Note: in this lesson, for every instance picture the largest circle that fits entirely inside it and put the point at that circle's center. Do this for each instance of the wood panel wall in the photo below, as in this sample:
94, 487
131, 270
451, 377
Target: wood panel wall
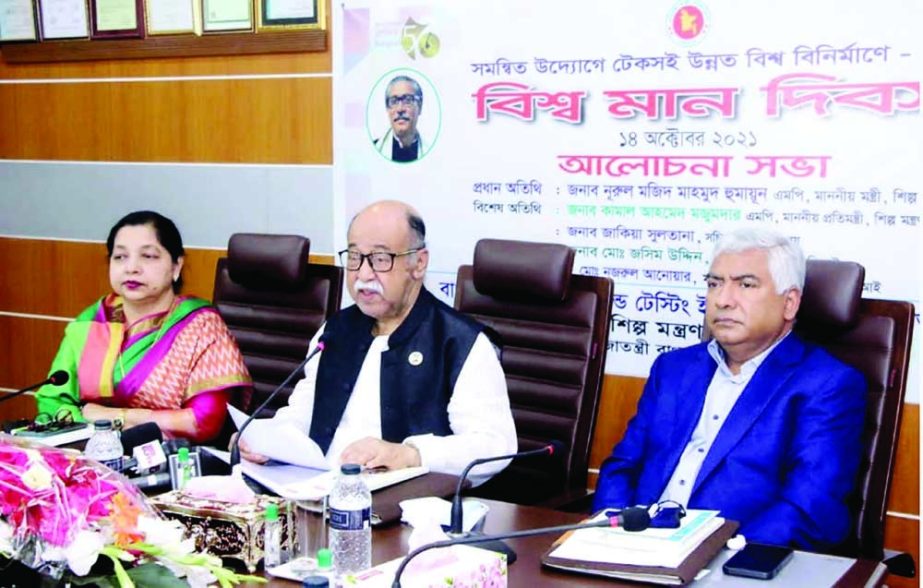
241, 109
231, 109
284, 120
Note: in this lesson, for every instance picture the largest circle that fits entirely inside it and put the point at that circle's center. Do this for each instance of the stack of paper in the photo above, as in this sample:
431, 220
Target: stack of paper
653, 547
299, 483
669, 556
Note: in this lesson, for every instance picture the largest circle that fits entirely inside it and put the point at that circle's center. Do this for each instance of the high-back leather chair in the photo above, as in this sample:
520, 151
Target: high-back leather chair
874, 337
553, 328
274, 300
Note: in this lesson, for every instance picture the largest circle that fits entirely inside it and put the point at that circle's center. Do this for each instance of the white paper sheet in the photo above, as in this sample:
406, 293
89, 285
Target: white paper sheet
280, 441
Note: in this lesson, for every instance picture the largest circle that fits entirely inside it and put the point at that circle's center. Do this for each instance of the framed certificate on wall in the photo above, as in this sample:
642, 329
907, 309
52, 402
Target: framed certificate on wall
290, 14
116, 19
63, 19
220, 16
173, 17
17, 21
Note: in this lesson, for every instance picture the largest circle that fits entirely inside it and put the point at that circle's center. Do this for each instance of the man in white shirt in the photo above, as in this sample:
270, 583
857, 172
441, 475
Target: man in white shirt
403, 380
755, 423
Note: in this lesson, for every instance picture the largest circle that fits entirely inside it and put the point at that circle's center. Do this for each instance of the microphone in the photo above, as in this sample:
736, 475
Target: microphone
58, 378
635, 518
235, 447
456, 520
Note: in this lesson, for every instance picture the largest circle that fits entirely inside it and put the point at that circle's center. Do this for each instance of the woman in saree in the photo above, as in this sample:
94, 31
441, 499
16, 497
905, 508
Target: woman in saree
144, 353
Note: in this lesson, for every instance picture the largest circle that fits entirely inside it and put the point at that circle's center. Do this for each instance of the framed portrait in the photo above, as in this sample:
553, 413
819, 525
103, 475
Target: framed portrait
403, 115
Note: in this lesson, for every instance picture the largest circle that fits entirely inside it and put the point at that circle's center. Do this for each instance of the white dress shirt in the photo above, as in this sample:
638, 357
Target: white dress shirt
723, 391
479, 412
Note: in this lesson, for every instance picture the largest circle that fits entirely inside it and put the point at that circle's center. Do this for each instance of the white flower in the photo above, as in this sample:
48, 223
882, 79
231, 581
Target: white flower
196, 576
6, 538
161, 532
83, 551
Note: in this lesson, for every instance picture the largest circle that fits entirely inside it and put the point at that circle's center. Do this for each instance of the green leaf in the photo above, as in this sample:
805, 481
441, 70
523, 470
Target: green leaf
94, 580
151, 575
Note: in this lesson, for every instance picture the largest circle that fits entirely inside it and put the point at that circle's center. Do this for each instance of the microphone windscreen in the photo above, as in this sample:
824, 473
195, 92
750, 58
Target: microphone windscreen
59, 378
635, 518
139, 435
556, 448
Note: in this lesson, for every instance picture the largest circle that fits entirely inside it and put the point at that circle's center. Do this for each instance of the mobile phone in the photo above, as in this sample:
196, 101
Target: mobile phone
757, 560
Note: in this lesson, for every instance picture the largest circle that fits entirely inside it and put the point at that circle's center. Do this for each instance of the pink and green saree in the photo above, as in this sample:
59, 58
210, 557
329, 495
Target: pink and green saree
183, 358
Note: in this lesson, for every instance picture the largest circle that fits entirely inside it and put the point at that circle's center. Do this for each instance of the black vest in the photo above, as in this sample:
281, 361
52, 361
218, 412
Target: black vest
414, 398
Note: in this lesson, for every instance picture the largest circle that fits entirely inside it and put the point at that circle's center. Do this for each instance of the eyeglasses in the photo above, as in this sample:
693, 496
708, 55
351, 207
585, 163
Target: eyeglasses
46, 423
379, 261
403, 99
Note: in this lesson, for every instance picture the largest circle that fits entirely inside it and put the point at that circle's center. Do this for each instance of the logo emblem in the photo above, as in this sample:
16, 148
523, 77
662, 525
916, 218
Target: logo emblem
689, 21
415, 38
415, 358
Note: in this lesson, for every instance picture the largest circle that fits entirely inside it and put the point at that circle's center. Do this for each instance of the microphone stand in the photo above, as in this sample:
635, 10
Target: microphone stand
490, 539
235, 447
58, 378
456, 520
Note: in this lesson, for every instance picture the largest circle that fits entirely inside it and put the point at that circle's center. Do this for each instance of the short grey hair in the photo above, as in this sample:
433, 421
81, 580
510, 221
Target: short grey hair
417, 90
417, 231
786, 260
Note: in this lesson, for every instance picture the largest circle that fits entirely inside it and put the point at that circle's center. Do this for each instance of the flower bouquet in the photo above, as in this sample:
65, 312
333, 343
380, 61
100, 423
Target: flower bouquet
59, 512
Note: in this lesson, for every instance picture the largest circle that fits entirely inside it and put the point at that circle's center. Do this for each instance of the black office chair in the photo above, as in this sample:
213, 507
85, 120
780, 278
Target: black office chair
553, 328
274, 300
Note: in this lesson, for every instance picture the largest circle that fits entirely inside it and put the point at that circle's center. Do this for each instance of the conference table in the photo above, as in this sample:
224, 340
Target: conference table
805, 569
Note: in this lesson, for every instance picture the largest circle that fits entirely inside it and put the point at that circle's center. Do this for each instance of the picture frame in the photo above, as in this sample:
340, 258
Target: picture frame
18, 21
116, 19
274, 15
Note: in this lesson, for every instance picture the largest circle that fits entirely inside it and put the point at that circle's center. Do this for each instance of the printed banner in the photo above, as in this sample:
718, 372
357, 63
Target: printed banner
638, 133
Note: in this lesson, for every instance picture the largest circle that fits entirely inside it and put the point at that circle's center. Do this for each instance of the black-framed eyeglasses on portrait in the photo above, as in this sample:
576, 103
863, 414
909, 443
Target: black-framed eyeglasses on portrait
403, 99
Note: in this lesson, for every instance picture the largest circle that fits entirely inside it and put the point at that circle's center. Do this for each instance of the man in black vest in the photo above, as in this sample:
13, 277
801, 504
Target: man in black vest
403, 380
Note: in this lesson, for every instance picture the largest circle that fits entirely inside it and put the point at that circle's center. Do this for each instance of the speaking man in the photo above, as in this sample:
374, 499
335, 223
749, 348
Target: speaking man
755, 423
403, 380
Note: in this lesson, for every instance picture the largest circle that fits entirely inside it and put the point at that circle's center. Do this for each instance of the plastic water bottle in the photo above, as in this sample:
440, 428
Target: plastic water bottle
272, 537
105, 446
350, 522
325, 565
184, 473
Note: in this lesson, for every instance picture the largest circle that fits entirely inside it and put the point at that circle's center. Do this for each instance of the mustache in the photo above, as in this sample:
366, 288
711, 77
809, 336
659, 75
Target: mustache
403, 117
373, 285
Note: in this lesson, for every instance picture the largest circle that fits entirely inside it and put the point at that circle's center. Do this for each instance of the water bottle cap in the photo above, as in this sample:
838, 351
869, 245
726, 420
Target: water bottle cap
350, 469
183, 454
315, 582
272, 512
324, 559
102, 425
